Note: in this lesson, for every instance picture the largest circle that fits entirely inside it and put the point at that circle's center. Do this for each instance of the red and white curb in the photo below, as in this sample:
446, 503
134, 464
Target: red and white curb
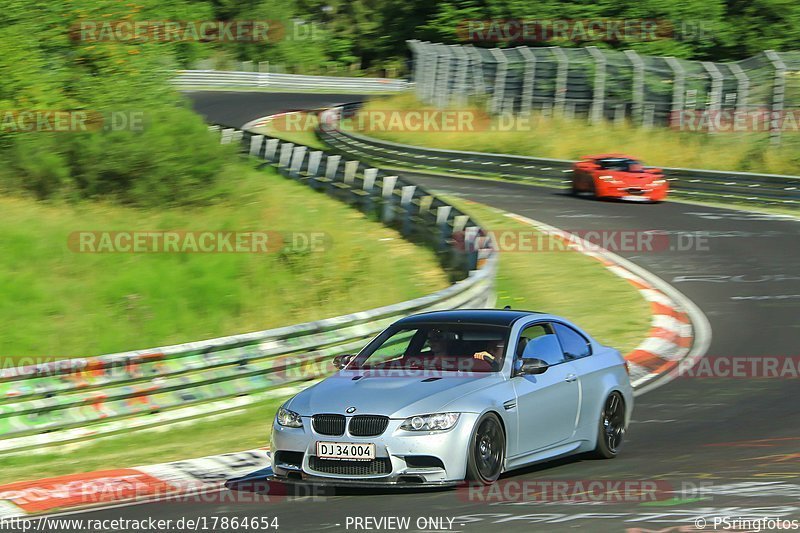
679, 331
176, 481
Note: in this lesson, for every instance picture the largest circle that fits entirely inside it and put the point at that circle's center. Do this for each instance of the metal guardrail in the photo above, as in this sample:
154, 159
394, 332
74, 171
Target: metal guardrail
189, 79
717, 185
85, 393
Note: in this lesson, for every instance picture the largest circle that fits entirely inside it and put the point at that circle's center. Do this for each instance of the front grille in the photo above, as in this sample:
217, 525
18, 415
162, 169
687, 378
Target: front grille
423, 461
350, 468
368, 425
328, 424
289, 458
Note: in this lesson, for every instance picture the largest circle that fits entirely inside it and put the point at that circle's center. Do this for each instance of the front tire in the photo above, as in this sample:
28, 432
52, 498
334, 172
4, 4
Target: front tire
611, 428
487, 450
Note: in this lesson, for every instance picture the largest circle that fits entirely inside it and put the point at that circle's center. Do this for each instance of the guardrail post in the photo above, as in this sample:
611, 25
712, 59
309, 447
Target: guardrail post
442, 214
678, 91
560, 97
255, 144
387, 192
479, 84
270, 149
778, 93
286, 154
332, 166
227, 136
331, 169
638, 85
459, 223
368, 186
742, 88
599, 90
471, 246
298, 155
430, 60
526, 103
406, 205
715, 96
314, 159
313, 171
443, 74
414, 45
421, 79
462, 66
459, 255
501, 68
350, 168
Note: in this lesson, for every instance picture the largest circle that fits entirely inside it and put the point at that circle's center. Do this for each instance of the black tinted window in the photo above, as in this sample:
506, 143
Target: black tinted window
573, 343
540, 342
626, 165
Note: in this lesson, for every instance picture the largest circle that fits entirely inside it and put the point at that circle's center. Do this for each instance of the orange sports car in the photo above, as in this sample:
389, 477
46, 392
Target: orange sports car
618, 176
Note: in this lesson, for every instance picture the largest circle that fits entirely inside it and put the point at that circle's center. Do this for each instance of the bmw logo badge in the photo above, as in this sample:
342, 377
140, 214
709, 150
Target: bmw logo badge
350, 410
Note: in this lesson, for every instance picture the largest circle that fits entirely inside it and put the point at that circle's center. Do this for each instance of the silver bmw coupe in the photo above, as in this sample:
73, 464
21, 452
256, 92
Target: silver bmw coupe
447, 396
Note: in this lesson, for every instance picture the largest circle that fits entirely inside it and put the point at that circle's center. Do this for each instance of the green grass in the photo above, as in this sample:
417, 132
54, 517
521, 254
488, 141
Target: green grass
234, 431
57, 303
565, 138
299, 130
565, 283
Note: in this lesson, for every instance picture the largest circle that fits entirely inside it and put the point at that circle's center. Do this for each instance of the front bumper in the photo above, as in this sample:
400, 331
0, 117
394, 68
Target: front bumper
633, 193
313, 481
398, 450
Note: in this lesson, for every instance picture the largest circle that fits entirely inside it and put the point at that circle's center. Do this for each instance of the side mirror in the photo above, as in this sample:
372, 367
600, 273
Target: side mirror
531, 365
341, 361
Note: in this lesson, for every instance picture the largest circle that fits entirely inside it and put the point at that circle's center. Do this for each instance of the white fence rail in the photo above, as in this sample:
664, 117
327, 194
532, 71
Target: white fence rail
193, 79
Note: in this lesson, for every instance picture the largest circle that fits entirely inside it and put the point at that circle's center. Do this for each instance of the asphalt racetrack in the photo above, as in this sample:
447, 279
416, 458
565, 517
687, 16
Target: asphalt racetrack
719, 446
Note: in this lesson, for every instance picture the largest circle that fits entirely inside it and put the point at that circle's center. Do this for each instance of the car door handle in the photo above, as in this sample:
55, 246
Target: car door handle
570, 378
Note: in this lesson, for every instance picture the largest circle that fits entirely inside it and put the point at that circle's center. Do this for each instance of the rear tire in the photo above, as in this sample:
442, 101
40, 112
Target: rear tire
487, 450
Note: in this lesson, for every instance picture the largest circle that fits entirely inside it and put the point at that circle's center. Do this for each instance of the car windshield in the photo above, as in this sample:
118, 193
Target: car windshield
437, 347
622, 164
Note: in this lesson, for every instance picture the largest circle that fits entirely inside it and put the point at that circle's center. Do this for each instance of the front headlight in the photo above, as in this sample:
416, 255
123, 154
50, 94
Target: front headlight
288, 418
434, 422
659, 182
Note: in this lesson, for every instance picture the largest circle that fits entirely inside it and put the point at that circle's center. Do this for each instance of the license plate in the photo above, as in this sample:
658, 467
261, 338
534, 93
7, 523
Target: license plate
346, 450
635, 198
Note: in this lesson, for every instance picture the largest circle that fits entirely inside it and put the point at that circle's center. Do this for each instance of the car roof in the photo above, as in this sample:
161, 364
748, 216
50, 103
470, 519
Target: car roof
608, 156
494, 317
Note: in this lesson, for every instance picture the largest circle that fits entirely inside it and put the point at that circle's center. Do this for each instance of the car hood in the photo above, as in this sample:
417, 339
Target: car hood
395, 396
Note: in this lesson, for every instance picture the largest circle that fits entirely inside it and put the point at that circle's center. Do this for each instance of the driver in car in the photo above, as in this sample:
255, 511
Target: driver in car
492, 354
439, 346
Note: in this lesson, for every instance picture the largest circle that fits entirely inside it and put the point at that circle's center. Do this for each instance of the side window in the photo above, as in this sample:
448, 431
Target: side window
573, 343
539, 341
